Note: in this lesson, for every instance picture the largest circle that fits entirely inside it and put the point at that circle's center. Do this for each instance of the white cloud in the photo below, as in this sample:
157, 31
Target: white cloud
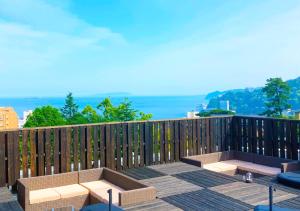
35, 34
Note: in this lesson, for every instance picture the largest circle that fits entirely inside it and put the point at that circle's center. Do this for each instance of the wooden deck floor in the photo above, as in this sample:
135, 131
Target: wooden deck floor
185, 187
8, 201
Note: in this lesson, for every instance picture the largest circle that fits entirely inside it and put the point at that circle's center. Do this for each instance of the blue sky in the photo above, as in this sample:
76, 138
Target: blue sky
157, 47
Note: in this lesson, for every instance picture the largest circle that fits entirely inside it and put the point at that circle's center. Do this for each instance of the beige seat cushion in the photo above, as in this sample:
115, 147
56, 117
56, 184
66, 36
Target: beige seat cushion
253, 167
68, 191
98, 189
220, 167
102, 195
43, 195
96, 184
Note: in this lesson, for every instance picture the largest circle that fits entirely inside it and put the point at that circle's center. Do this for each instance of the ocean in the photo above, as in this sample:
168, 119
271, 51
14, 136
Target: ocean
162, 107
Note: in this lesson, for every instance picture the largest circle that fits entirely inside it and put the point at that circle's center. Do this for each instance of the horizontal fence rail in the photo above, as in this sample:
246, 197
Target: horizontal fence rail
52, 150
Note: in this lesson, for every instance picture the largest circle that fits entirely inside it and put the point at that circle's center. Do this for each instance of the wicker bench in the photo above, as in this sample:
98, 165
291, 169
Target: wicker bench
78, 189
232, 162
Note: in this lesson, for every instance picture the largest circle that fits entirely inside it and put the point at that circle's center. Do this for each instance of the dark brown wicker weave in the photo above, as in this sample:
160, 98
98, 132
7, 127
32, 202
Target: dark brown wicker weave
135, 192
290, 166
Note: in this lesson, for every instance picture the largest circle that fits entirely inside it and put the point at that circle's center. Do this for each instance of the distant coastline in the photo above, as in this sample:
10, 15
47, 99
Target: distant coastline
160, 106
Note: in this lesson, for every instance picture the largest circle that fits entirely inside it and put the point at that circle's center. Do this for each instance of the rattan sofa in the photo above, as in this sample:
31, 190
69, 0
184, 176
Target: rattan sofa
232, 162
37, 193
78, 189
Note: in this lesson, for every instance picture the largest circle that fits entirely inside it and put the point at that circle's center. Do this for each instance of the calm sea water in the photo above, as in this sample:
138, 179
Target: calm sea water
162, 107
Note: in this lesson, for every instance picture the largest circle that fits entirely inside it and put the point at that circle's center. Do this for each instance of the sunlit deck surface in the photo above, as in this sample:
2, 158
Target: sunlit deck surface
185, 187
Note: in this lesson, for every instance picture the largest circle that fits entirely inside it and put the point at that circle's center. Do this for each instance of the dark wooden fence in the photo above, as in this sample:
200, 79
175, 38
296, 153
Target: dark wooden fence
44, 151
267, 136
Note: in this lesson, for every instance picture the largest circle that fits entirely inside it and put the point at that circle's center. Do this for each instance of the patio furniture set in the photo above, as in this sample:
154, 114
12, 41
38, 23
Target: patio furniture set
81, 188
235, 162
86, 189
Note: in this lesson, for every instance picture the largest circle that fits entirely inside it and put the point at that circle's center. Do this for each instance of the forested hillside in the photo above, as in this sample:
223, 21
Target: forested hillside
251, 101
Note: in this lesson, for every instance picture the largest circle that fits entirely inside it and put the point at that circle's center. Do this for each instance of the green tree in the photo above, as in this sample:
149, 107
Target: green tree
277, 93
45, 116
91, 115
70, 109
215, 112
123, 112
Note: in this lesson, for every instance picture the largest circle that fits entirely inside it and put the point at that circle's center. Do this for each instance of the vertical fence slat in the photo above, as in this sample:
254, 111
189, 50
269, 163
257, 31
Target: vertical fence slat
161, 142
166, 142
82, 147
294, 141
172, 140
125, 145
75, 147
288, 140
68, 149
40, 147
156, 145
190, 137
48, 151
16, 152
207, 135
2, 160
89, 147
176, 140
182, 139
151, 141
129, 134
63, 146
195, 149
95, 146
147, 143
118, 147
24, 153
112, 146
102, 146
10, 158
33, 153
198, 136
108, 146
268, 139
282, 136
142, 143
135, 144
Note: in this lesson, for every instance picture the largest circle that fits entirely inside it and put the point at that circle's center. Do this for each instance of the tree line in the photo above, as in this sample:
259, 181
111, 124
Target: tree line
70, 114
276, 95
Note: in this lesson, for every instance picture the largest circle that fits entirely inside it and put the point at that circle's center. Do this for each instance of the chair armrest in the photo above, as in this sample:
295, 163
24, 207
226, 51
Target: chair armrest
121, 180
193, 162
290, 166
23, 194
137, 196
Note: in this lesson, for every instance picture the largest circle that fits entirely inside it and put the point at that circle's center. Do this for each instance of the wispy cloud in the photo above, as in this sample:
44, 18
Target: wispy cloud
34, 34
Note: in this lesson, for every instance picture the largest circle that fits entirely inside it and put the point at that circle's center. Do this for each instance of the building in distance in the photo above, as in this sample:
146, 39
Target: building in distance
8, 118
